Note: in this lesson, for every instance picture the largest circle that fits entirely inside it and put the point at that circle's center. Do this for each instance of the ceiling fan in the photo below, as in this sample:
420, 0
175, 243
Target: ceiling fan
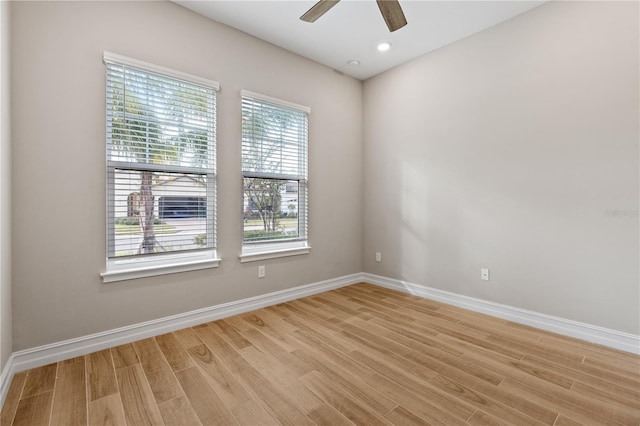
390, 9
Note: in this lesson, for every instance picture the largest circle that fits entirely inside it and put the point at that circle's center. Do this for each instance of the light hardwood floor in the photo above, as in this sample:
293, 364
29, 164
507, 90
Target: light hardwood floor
357, 355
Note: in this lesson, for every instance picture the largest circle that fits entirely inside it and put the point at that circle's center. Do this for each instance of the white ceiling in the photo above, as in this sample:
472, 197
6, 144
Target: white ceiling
353, 28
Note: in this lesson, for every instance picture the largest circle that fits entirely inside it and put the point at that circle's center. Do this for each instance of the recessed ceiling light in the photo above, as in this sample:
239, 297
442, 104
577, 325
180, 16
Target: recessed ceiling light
383, 47
353, 63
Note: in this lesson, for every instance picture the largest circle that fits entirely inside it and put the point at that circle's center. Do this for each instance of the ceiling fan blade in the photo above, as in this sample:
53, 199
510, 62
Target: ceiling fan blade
392, 14
318, 10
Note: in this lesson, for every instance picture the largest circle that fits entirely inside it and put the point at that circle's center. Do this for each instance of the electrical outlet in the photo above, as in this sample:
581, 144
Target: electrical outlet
378, 257
261, 271
484, 274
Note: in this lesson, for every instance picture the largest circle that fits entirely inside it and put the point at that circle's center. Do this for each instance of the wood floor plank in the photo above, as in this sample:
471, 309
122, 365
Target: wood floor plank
224, 383
360, 296
161, 379
379, 335
343, 401
487, 390
40, 380
588, 348
416, 379
490, 405
400, 416
381, 329
221, 348
267, 318
455, 367
303, 398
566, 421
300, 311
493, 330
280, 405
578, 374
269, 366
403, 321
417, 404
279, 310
339, 308
268, 346
34, 410
367, 346
582, 410
420, 336
139, 404
525, 371
174, 352
480, 418
544, 351
327, 415
124, 356
313, 342
226, 330
106, 411
467, 317
178, 411
280, 331
101, 375
360, 354
252, 413
525, 330
605, 374
13, 398
417, 315
367, 395
322, 332
474, 337
208, 406
187, 337
619, 367
607, 397
238, 322
263, 338
70, 398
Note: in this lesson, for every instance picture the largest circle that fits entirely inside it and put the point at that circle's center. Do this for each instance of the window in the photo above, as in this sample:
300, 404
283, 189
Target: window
161, 176
274, 171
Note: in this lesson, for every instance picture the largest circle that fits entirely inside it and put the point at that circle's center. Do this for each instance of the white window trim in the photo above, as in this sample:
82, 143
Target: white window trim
255, 252
121, 269
151, 266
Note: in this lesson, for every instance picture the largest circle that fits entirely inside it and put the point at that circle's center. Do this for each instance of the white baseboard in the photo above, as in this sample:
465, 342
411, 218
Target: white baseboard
590, 333
54, 352
5, 379
43, 355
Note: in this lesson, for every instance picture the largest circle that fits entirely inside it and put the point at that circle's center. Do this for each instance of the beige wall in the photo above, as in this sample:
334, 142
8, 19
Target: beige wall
59, 165
5, 190
506, 150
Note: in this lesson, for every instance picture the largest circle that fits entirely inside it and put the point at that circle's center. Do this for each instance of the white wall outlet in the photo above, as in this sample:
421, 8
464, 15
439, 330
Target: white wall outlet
378, 257
484, 274
261, 271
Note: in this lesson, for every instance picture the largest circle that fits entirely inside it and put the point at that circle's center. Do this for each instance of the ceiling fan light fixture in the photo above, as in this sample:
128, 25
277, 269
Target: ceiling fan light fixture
390, 9
383, 47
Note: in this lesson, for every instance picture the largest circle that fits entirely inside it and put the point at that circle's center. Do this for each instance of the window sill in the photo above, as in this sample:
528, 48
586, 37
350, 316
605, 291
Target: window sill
264, 252
121, 270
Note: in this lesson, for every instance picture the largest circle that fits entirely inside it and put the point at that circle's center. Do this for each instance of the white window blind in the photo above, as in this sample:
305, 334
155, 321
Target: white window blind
274, 167
161, 176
